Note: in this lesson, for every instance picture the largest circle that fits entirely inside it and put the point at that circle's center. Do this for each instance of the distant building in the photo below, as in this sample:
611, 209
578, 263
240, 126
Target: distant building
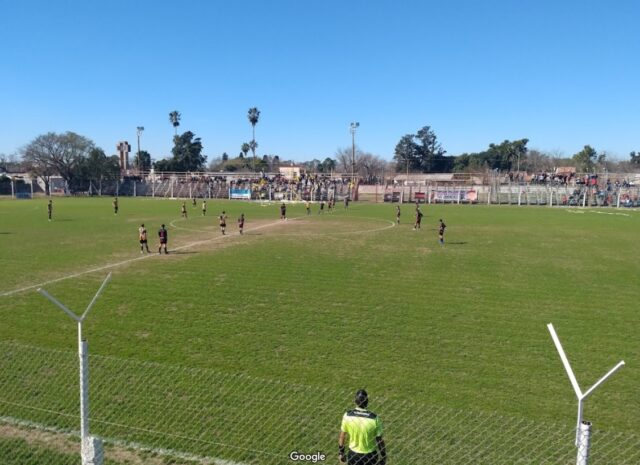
291, 172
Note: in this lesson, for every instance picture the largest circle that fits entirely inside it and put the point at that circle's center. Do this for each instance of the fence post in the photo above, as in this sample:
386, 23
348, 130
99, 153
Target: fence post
90, 448
584, 443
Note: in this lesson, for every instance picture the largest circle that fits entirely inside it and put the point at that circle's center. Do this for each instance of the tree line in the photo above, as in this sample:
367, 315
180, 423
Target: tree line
79, 161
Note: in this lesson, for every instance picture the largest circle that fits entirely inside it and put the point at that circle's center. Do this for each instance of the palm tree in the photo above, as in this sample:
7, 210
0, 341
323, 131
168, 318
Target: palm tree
253, 115
174, 118
244, 148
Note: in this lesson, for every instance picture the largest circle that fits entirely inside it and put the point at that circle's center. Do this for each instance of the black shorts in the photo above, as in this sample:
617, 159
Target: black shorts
362, 459
143, 241
163, 241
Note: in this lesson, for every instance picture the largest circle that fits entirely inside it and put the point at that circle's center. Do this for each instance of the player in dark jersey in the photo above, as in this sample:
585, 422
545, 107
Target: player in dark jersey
397, 214
346, 202
142, 236
193, 201
283, 211
321, 207
241, 223
183, 210
163, 235
222, 218
418, 219
441, 229
50, 209
115, 206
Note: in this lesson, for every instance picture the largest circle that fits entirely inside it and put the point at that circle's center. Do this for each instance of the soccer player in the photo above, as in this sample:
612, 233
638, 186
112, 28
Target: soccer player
204, 208
241, 223
329, 205
364, 430
142, 235
115, 206
163, 235
50, 209
308, 207
223, 222
193, 201
346, 203
397, 214
283, 211
321, 207
418, 219
183, 210
441, 229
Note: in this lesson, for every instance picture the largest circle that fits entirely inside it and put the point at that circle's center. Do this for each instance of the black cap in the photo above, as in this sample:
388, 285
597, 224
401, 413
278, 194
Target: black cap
362, 398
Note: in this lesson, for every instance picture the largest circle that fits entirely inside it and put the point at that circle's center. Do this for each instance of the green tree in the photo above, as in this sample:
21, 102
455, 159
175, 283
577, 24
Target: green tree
174, 119
507, 155
187, 153
430, 151
407, 154
143, 162
253, 115
95, 168
586, 158
420, 152
328, 165
61, 154
244, 149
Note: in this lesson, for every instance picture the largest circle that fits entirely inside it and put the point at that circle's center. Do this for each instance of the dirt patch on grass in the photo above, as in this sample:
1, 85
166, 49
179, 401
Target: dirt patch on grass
69, 445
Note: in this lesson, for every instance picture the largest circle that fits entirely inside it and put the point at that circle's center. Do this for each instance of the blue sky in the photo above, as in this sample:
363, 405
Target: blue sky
562, 73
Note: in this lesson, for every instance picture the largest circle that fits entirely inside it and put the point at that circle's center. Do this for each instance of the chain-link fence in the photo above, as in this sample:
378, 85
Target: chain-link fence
156, 413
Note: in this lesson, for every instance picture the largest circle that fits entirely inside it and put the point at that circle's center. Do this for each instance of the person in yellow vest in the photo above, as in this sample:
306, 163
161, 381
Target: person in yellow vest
364, 431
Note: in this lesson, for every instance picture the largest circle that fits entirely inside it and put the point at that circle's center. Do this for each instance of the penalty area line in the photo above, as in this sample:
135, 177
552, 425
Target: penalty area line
130, 260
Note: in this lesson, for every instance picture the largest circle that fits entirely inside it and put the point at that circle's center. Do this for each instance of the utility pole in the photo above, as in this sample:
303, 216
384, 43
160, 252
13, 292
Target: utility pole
354, 127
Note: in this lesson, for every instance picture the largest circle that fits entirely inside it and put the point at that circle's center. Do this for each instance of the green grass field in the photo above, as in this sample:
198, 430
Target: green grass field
347, 299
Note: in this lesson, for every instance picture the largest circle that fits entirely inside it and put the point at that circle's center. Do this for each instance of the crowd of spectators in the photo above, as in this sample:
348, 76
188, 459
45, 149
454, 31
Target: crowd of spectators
302, 187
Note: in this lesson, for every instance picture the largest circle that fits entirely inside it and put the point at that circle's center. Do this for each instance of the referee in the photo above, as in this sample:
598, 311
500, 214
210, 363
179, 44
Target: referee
364, 428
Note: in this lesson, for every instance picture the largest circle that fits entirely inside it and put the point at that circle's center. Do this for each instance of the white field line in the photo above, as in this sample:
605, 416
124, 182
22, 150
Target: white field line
127, 444
185, 246
130, 260
598, 212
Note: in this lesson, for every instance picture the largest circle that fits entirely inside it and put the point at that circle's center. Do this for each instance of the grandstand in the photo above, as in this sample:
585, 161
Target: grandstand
564, 187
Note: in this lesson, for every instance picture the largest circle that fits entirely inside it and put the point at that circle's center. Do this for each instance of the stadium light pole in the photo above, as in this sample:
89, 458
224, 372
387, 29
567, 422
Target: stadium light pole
583, 428
90, 448
354, 127
139, 131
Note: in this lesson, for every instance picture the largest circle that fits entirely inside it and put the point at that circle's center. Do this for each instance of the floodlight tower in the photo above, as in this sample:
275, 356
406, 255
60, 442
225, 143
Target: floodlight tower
139, 131
90, 448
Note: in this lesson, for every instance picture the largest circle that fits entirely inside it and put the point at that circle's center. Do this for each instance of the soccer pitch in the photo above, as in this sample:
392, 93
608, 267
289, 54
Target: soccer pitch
346, 299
